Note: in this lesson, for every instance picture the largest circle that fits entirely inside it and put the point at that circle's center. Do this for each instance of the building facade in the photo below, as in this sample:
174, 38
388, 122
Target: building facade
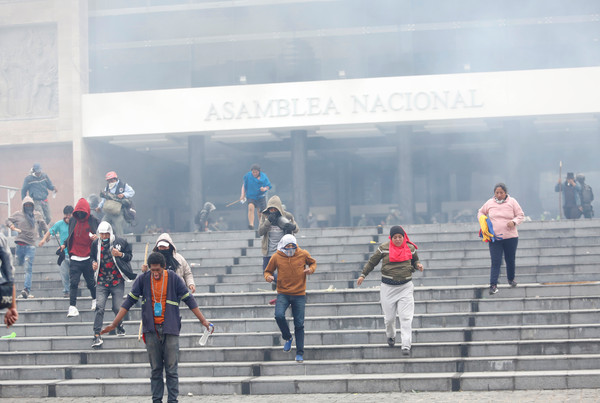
353, 108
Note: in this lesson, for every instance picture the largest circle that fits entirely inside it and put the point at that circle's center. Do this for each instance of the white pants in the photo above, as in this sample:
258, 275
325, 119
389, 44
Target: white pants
398, 299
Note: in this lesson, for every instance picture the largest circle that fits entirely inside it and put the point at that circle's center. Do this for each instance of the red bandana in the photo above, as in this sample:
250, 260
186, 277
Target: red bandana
401, 253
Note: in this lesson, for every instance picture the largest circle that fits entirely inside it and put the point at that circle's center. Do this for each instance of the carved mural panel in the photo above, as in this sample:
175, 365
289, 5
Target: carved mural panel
28, 72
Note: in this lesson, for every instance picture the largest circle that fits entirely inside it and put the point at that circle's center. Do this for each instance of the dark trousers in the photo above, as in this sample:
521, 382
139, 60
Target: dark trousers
76, 269
508, 248
572, 212
163, 353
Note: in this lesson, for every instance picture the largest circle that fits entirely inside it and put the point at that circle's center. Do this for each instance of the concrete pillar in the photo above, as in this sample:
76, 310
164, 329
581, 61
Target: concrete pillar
196, 157
404, 189
343, 189
299, 176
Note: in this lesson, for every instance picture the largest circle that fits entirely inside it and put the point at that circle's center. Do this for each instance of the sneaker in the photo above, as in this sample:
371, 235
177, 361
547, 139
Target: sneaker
273, 301
288, 345
251, 227
513, 284
93, 308
73, 311
25, 293
97, 341
120, 330
406, 351
299, 358
493, 289
391, 341
65, 295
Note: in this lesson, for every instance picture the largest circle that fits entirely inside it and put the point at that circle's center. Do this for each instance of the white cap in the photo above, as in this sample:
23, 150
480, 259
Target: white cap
163, 243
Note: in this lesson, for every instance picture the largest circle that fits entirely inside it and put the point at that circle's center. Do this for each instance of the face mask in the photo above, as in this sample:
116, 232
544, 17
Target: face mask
289, 252
112, 185
28, 210
105, 240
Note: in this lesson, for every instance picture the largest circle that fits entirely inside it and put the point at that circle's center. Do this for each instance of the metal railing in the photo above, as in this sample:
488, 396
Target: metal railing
10, 193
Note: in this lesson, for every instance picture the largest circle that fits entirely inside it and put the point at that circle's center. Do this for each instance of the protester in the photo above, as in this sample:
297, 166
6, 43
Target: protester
8, 290
254, 189
61, 228
203, 219
160, 292
37, 184
173, 260
586, 195
275, 222
24, 222
111, 257
116, 202
399, 260
571, 191
504, 213
290, 263
82, 232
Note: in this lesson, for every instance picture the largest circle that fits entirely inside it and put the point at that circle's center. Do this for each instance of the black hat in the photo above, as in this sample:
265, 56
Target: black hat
396, 229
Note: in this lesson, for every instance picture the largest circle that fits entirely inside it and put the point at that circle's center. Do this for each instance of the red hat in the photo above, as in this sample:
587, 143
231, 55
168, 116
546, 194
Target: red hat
111, 175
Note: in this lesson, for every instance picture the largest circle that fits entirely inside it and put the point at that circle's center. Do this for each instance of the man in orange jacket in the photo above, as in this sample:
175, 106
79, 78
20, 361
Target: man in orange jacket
291, 264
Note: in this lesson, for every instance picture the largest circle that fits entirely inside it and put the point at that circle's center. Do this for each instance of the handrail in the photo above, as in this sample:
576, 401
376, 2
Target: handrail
10, 193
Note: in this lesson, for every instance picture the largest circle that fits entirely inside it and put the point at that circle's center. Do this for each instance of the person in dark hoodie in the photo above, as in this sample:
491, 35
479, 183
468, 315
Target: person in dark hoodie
24, 222
82, 232
111, 257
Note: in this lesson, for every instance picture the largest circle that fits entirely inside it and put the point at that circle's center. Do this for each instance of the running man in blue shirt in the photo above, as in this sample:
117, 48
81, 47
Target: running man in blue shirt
255, 187
62, 229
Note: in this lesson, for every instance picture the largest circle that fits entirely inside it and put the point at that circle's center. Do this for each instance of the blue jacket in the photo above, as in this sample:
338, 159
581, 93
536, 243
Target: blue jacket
37, 187
176, 291
252, 185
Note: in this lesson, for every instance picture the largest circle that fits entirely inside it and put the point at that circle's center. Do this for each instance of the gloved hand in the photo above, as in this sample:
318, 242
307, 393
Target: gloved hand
273, 217
288, 228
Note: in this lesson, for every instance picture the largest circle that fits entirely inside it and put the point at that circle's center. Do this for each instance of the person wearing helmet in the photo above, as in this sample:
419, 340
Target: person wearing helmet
586, 196
115, 197
37, 184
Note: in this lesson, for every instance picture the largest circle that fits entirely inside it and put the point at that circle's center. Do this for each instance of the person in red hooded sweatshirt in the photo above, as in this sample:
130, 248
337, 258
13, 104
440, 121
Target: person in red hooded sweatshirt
399, 261
82, 232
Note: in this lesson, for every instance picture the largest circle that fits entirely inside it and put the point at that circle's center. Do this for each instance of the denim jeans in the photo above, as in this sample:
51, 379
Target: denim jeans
76, 269
298, 303
25, 256
102, 294
64, 274
163, 352
508, 247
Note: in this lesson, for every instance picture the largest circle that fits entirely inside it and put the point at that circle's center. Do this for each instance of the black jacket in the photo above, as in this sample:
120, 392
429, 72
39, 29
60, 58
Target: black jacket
123, 263
82, 205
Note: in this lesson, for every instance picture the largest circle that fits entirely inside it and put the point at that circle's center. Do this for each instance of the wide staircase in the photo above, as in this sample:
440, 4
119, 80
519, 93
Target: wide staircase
543, 334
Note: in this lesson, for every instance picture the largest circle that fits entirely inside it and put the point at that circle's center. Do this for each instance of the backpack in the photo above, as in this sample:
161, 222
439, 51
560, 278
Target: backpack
587, 196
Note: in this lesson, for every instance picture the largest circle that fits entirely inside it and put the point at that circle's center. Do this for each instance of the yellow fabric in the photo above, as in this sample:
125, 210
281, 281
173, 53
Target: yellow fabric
486, 235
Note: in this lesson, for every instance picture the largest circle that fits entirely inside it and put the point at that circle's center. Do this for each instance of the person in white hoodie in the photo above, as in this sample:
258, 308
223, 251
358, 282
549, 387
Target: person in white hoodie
175, 262
111, 257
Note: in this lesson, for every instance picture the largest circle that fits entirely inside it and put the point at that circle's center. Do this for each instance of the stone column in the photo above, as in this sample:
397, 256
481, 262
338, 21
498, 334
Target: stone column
300, 210
404, 189
343, 189
196, 157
